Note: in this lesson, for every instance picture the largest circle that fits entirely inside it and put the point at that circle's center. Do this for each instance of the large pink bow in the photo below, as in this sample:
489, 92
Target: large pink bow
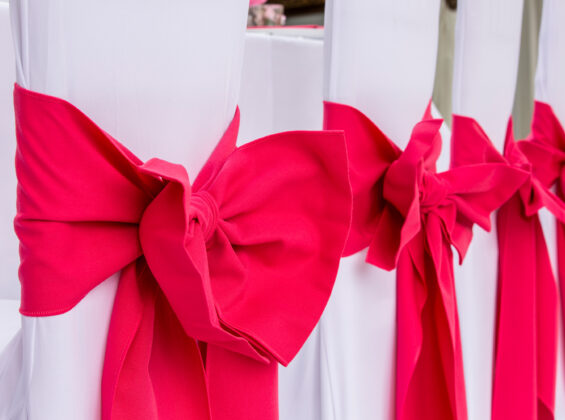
218, 280
409, 216
526, 346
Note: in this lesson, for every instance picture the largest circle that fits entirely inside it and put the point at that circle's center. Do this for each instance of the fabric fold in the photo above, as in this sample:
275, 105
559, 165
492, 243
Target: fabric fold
409, 216
227, 275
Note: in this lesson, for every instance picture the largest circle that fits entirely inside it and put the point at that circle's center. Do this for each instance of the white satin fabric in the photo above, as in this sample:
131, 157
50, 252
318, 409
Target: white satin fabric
281, 85
162, 80
9, 286
380, 58
485, 32
550, 88
9, 260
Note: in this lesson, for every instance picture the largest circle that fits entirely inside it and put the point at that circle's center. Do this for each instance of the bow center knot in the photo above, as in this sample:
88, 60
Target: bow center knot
204, 209
432, 191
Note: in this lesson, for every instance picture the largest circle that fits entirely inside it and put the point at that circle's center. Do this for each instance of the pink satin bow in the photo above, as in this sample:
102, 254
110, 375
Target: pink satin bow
218, 280
526, 340
409, 216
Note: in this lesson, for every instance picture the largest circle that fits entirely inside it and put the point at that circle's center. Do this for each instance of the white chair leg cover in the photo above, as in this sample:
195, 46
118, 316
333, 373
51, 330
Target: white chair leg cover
162, 80
487, 42
380, 57
550, 88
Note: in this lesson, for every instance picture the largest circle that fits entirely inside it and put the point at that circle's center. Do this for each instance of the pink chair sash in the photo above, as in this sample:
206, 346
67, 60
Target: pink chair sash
544, 152
219, 279
409, 216
526, 346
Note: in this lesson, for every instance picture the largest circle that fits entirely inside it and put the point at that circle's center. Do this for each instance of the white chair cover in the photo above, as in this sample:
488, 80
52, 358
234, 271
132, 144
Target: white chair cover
162, 80
486, 32
281, 85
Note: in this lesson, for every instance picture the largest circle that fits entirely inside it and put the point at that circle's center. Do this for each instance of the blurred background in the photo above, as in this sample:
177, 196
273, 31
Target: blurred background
311, 13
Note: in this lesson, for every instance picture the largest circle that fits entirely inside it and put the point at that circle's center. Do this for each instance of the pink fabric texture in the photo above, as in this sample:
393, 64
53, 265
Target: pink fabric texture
526, 331
410, 216
220, 279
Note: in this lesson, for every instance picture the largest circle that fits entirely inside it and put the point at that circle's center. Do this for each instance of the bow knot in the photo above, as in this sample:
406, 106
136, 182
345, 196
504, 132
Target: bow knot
410, 190
529, 191
172, 195
433, 192
204, 209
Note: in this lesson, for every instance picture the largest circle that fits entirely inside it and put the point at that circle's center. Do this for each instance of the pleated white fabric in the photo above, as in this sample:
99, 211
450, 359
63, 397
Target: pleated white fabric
380, 58
486, 32
161, 79
550, 88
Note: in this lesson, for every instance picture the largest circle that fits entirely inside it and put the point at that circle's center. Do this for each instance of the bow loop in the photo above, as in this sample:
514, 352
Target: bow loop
545, 147
481, 178
370, 154
542, 167
546, 127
